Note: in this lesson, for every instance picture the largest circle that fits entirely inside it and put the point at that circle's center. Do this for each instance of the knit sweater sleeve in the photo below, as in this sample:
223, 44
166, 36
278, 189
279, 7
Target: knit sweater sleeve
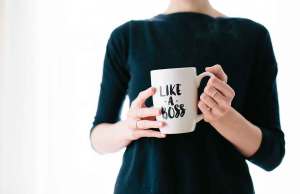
262, 107
115, 77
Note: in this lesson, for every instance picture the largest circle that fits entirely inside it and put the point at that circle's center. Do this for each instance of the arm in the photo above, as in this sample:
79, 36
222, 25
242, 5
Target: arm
259, 137
109, 133
109, 137
215, 103
244, 135
262, 106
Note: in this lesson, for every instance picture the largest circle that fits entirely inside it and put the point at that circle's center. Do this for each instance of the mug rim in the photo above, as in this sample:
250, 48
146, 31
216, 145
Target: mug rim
176, 68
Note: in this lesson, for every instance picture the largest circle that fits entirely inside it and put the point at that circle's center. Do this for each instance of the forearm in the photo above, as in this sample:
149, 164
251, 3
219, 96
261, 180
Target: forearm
108, 137
244, 135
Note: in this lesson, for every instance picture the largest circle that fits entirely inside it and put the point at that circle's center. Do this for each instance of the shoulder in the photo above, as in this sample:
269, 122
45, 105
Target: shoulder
121, 30
119, 36
128, 30
124, 30
128, 26
247, 26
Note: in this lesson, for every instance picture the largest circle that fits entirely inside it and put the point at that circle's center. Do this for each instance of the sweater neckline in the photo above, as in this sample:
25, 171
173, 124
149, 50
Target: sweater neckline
188, 14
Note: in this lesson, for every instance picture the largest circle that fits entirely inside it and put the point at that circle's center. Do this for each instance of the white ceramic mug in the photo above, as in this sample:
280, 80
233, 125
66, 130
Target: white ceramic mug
177, 95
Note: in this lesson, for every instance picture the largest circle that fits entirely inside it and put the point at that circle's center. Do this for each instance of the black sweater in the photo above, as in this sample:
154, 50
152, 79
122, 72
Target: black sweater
201, 162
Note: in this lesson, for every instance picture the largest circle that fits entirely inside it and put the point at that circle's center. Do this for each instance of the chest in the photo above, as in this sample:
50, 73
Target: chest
235, 56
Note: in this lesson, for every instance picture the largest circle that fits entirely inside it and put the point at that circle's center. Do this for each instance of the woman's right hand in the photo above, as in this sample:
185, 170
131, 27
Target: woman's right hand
141, 118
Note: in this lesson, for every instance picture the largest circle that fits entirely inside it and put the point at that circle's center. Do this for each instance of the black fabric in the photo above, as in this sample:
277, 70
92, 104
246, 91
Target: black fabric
201, 162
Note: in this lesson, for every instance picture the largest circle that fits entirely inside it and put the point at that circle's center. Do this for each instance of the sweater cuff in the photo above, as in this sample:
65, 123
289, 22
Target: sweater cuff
263, 157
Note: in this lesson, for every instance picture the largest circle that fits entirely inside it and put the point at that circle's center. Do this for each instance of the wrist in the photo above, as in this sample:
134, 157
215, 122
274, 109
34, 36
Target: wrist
126, 132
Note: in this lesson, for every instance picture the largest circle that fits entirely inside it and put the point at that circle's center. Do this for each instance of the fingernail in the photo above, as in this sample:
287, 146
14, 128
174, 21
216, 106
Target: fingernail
158, 112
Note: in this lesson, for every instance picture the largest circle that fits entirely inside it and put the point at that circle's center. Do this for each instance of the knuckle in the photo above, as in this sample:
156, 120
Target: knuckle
233, 93
146, 124
206, 89
229, 97
224, 108
202, 96
201, 105
212, 92
205, 97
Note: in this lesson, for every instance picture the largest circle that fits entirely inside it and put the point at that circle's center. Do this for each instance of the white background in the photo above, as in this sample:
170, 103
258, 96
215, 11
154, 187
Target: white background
51, 59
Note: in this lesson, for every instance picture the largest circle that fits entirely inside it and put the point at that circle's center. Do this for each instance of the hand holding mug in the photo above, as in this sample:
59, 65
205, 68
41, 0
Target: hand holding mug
141, 118
216, 99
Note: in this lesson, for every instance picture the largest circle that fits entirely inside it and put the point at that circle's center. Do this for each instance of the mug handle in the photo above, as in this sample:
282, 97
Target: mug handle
199, 78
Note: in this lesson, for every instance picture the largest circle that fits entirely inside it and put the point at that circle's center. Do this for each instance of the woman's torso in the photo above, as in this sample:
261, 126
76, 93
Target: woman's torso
202, 161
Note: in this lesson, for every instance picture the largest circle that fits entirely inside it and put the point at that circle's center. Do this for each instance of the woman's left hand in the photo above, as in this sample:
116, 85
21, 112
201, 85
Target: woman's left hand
215, 101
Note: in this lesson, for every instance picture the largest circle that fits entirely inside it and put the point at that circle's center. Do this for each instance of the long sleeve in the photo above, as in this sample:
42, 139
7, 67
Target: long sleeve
115, 77
262, 107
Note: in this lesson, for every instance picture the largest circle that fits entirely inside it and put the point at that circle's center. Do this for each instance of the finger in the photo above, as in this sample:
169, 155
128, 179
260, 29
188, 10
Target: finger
142, 97
215, 94
218, 71
146, 124
220, 85
147, 133
209, 101
204, 109
144, 112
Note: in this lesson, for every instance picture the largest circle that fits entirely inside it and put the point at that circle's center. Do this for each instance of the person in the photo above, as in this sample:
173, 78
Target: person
240, 104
